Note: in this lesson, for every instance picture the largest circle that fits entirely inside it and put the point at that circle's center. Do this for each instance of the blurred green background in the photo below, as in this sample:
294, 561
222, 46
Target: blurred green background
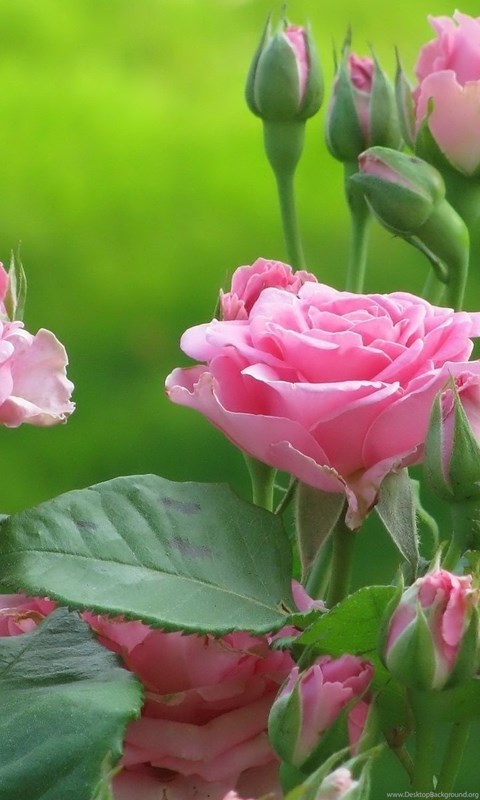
133, 175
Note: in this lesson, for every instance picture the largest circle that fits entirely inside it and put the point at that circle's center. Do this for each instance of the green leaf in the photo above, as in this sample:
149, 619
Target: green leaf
185, 556
353, 626
316, 515
65, 704
396, 508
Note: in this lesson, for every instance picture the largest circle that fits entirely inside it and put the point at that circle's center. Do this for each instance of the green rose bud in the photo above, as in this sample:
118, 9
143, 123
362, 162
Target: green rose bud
285, 81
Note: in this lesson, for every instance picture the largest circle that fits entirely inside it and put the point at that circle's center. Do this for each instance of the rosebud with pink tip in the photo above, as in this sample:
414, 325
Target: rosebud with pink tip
285, 81
339, 785
311, 701
452, 451
362, 110
433, 636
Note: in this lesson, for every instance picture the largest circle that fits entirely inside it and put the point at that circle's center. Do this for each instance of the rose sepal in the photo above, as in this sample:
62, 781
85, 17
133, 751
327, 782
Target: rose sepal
314, 90
405, 104
343, 132
384, 123
411, 660
453, 476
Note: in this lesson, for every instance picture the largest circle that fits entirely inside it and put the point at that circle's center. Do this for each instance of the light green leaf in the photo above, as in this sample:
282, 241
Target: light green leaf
186, 556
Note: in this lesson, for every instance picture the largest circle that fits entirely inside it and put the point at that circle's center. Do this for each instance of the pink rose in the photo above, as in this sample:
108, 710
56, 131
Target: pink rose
333, 387
203, 729
33, 384
444, 606
310, 702
448, 73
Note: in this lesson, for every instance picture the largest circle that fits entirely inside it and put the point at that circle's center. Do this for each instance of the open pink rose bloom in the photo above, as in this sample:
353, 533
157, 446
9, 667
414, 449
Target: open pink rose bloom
333, 387
448, 73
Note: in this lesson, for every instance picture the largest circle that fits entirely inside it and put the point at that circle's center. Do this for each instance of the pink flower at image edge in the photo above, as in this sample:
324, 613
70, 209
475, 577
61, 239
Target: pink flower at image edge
34, 387
448, 73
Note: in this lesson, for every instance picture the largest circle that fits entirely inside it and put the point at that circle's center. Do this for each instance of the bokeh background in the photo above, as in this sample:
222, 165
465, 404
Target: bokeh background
133, 176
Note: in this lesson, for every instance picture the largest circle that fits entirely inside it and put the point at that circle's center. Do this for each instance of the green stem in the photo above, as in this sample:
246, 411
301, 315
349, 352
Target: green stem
360, 217
263, 482
405, 759
425, 740
318, 576
343, 540
453, 758
433, 289
463, 193
291, 230
284, 145
446, 236
287, 497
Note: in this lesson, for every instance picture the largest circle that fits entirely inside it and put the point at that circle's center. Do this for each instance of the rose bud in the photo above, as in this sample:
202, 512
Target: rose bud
407, 196
452, 453
285, 81
339, 785
310, 702
432, 636
403, 191
447, 97
362, 109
